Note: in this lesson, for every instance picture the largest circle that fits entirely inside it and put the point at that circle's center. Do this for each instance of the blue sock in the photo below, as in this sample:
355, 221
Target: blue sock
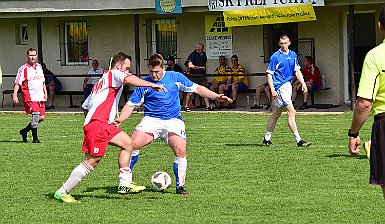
134, 159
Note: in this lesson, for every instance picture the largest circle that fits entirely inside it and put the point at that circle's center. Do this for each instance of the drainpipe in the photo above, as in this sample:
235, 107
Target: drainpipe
39, 41
352, 84
137, 47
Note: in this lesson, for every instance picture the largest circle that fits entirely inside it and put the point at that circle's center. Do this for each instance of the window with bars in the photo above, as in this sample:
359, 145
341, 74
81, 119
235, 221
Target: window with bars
161, 37
73, 42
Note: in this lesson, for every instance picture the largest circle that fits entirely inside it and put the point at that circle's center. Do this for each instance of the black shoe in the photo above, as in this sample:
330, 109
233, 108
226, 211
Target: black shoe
187, 109
49, 107
256, 106
210, 108
303, 107
24, 135
266, 107
182, 191
231, 106
36, 141
302, 143
267, 143
220, 107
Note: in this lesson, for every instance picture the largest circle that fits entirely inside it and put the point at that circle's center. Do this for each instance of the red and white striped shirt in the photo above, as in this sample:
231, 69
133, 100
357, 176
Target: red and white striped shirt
102, 104
32, 82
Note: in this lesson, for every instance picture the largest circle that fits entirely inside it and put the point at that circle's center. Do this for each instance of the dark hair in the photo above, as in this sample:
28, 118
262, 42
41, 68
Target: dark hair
283, 36
234, 56
31, 49
186, 63
171, 58
119, 57
381, 16
155, 60
309, 58
222, 56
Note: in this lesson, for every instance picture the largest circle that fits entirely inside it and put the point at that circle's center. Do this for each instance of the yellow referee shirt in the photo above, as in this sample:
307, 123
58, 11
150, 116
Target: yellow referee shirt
372, 82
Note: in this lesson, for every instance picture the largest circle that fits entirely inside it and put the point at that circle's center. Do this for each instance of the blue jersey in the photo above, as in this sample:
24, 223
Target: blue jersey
162, 105
282, 66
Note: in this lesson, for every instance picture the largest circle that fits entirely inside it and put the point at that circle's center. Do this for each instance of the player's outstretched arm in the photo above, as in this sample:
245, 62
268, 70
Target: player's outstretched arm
203, 91
126, 112
136, 81
14, 96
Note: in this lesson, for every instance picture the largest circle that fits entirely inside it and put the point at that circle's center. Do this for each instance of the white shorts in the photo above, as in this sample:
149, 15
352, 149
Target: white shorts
284, 95
160, 128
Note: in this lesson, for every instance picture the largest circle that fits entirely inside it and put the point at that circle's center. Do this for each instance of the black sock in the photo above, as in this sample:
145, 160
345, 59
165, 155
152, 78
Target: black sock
27, 128
34, 134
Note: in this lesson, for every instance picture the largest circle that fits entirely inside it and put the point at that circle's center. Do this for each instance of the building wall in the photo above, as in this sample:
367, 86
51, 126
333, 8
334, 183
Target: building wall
112, 33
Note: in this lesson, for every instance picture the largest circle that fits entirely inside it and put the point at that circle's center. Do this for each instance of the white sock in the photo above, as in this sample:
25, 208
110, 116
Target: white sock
297, 136
76, 176
125, 176
268, 135
180, 167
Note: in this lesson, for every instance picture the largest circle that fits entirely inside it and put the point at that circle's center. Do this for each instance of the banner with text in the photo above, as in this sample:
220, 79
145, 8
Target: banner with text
224, 5
219, 38
269, 15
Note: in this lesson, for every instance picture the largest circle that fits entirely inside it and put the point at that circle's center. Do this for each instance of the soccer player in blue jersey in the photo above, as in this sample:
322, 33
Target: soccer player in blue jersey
283, 64
162, 117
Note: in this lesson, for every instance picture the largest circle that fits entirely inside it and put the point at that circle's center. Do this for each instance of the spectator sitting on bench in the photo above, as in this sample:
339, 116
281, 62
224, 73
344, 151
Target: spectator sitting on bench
219, 80
238, 82
311, 74
52, 84
260, 89
92, 78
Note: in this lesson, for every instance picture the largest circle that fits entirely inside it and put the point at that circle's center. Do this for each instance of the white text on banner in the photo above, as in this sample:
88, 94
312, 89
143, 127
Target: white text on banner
269, 15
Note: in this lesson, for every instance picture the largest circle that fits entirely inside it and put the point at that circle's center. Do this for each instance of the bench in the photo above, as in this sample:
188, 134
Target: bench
70, 93
319, 89
5, 92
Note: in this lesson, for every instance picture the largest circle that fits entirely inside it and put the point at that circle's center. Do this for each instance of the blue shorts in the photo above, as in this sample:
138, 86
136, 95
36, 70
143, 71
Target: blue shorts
241, 87
314, 86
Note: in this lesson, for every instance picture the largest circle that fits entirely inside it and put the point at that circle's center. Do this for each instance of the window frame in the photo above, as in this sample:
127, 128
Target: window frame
65, 38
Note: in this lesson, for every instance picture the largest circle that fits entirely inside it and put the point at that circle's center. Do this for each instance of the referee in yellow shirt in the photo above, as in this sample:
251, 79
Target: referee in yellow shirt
371, 97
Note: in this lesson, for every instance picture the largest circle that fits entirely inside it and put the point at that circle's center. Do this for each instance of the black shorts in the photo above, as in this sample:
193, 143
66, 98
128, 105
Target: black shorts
198, 79
377, 151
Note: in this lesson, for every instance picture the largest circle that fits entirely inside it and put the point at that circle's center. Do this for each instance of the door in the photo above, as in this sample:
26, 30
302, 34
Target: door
364, 41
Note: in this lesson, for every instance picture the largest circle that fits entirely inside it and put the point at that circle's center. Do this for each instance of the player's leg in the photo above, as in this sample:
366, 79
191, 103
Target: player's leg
139, 140
293, 126
123, 141
77, 175
271, 123
178, 146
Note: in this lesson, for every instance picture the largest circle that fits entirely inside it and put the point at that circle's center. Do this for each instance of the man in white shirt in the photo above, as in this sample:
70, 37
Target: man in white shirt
30, 78
94, 75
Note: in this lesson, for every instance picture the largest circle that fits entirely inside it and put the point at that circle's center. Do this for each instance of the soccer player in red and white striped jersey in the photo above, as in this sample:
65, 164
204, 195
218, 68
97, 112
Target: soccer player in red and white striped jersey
101, 108
30, 78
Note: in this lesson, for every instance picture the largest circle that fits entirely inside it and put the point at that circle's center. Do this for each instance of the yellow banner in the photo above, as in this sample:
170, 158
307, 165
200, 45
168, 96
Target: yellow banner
275, 15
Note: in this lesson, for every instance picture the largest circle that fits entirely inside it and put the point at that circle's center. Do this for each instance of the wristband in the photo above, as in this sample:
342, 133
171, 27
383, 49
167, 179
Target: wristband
350, 134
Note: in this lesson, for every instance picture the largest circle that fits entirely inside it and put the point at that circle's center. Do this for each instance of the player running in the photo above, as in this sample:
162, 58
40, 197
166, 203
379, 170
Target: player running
162, 118
100, 109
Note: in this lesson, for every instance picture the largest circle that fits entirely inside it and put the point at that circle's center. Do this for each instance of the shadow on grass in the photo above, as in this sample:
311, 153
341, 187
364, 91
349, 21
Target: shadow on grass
15, 141
113, 190
243, 144
348, 156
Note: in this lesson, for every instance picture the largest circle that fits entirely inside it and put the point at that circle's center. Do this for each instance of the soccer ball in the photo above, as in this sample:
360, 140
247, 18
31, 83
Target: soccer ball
160, 181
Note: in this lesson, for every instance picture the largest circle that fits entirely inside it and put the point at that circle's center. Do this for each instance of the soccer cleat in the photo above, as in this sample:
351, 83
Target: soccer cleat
130, 188
267, 143
367, 148
302, 143
23, 135
303, 107
182, 191
65, 198
36, 141
187, 109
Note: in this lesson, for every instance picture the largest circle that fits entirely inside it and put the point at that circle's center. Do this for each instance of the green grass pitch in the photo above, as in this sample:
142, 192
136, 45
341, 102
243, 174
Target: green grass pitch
231, 178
